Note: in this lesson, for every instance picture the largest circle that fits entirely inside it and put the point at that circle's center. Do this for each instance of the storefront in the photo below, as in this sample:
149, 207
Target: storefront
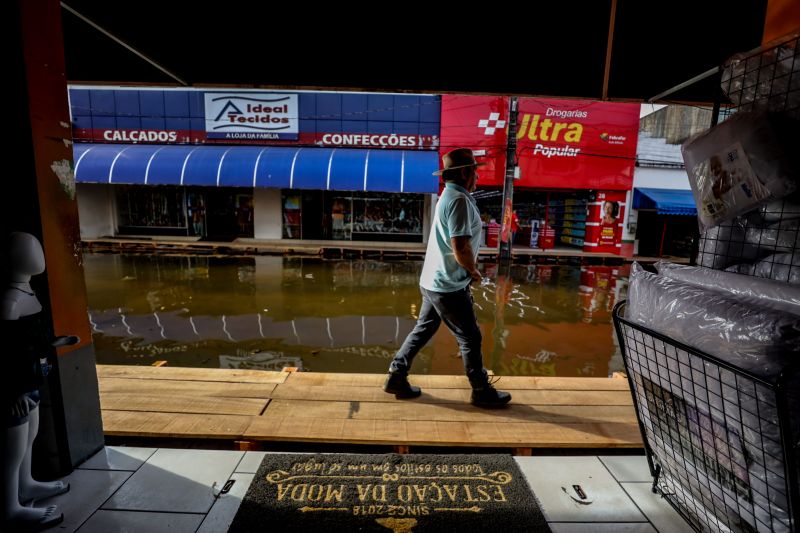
218, 214
226, 164
575, 164
348, 215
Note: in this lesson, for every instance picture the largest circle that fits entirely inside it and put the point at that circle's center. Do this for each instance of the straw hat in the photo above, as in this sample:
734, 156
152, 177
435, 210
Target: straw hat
458, 158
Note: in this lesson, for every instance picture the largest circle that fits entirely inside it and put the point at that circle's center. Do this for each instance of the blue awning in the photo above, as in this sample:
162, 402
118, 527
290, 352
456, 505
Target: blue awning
253, 166
665, 201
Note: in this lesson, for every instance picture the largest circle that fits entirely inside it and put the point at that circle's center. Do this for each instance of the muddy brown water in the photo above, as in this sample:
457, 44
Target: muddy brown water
268, 312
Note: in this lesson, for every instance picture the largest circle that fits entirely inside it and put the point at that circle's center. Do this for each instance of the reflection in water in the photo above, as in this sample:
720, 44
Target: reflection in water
268, 312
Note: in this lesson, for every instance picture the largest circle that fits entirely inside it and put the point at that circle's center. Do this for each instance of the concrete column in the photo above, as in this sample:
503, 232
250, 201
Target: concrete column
267, 213
40, 199
429, 210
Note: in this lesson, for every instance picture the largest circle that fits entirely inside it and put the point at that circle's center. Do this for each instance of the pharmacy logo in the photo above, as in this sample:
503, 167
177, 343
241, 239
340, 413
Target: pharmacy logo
492, 124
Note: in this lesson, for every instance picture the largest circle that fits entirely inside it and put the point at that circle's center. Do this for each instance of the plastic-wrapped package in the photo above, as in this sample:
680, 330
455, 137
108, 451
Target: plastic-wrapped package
749, 80
716, 432
751, 337
781, 235
738, 165
746, 289
779, 267
743, 268
722, 246
786, 209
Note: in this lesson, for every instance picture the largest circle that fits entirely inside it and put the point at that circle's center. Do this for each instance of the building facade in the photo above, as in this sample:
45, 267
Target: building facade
220, 164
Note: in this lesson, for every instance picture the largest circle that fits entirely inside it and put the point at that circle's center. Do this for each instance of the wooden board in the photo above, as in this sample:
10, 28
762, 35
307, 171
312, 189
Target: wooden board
174, 403
140, 424
438, 433
186, 388
414, 411
190, 374
456, 382
292, 391
352, 408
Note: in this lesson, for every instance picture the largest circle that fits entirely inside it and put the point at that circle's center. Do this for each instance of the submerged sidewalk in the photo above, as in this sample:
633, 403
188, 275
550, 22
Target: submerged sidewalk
332, 249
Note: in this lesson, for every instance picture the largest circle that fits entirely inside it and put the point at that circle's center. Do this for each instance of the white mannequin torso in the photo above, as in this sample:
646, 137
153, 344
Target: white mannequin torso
19, 301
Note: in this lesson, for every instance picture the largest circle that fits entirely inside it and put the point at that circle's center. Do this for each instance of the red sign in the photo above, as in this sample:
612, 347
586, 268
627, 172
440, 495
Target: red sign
479, 123
576, 144
129, 136
604, 223
350, 140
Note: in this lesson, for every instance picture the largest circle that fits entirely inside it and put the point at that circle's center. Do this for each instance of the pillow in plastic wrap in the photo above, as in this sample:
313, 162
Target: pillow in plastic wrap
743, 268
779, 267
751, 337
708, 397
781, 236
751, 79
740, 164
722, 246
785, 209
746, 289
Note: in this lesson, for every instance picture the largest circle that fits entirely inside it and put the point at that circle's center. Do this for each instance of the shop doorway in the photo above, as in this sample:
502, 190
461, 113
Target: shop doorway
314, 219
229, 214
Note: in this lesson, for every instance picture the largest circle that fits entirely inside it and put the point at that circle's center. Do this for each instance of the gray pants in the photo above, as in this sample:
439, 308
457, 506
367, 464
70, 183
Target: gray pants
456, 310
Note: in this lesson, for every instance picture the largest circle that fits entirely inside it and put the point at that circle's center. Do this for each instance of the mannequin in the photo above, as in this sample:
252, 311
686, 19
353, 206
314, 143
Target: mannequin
28, 344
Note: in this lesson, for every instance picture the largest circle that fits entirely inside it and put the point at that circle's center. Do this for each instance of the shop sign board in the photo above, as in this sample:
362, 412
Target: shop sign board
479, 123
251, 116
370, 140
577, 144
604, 222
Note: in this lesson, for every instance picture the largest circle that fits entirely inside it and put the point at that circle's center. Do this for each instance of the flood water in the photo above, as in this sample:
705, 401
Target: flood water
268, 312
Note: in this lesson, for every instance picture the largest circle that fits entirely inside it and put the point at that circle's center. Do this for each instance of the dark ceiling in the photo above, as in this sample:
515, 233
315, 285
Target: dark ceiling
551, 49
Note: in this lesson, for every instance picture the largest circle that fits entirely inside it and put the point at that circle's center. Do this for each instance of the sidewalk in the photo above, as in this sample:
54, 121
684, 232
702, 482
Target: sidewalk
155, 490
327, 248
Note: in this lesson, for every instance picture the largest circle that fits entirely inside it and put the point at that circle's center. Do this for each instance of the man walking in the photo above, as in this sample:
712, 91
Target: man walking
448, 271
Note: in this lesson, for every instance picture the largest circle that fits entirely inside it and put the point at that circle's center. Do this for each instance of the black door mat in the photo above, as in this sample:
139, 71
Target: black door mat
389, 492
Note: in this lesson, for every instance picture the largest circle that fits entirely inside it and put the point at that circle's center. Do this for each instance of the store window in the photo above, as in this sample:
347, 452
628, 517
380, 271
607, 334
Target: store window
342, 217
391, 216
357, 216
151, 209
292, 216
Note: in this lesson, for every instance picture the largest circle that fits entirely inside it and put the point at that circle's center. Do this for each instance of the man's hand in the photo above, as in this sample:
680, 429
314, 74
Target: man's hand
476, 275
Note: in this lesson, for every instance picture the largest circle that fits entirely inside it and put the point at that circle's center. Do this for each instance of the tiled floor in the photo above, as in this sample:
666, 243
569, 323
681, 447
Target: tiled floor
154, 490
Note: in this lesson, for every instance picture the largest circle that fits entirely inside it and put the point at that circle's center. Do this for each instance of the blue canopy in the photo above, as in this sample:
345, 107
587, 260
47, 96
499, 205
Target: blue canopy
665, 201
254, 166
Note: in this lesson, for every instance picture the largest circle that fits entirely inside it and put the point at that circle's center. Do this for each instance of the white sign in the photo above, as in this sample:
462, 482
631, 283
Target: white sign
251, 115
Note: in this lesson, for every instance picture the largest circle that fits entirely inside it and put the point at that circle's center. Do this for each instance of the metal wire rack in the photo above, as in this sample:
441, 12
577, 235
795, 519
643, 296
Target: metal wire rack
763, 243
722, 441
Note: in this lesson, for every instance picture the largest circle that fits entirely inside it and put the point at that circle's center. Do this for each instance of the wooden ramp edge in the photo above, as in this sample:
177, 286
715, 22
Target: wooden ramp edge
334, 408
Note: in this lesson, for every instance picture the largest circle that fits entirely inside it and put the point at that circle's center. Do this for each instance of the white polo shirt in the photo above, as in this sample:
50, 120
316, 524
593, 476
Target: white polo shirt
456, 215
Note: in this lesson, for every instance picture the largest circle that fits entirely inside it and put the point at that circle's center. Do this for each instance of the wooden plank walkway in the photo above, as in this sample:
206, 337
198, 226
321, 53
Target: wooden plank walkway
257, 406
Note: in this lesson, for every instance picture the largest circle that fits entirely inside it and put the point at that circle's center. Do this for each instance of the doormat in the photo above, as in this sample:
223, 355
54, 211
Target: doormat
412, 493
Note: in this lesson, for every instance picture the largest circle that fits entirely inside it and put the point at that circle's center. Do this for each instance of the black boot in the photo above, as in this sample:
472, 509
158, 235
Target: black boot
398, 385
488, 396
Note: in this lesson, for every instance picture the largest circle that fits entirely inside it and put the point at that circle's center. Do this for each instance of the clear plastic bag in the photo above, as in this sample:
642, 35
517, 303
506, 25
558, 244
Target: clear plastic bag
746, 289
738, 165
743, 334
779, 267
